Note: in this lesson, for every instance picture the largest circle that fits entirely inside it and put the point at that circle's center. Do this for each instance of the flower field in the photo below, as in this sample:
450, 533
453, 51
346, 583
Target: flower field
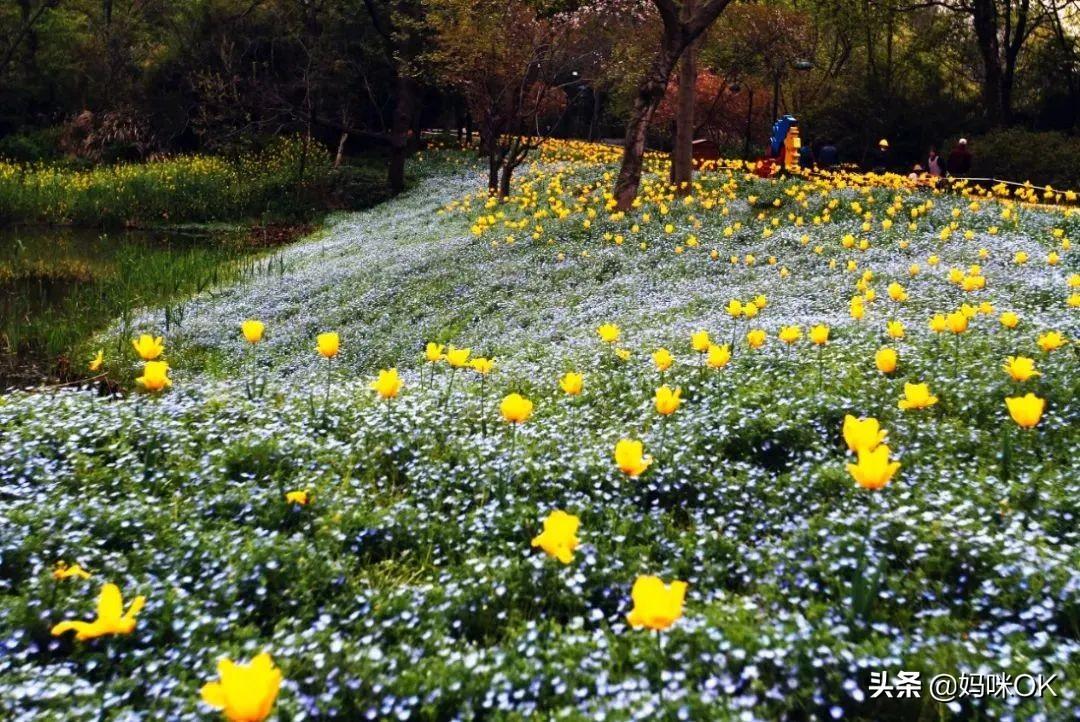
725, 456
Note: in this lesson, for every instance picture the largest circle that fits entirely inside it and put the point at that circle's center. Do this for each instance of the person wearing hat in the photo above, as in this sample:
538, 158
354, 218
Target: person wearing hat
959, 163
879, 159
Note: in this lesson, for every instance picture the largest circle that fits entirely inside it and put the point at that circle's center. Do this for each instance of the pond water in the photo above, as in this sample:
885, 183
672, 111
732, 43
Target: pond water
58, 286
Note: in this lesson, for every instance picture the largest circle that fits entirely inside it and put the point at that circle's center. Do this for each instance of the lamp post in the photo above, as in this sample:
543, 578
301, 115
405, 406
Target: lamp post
801, 64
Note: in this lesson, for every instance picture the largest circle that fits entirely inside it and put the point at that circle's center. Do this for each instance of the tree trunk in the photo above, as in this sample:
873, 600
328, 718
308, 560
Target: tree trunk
493, 172
341, 149
985, 22
679, 32
649, 94
594, 117
504, 181
749, 122
682, 155
404, 103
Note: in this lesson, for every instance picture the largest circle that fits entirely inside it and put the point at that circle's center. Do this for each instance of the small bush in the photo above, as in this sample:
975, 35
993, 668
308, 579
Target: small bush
1022, 155
33, 147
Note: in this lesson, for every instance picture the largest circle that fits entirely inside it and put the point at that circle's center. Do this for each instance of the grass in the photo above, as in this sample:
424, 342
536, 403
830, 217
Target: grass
62, 282
286, 180
59, 287
408, 586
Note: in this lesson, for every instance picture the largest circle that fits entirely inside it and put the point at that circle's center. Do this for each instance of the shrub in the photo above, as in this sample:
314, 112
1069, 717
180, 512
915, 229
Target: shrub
1021, 155
38, 145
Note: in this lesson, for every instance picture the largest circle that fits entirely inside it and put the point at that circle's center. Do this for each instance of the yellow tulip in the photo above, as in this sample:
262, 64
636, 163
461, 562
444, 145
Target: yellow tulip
885, 360
857, 309
609, 333
719, 356
458, 357
433, 352
630, 457
559, 538
663, 359
155, 376
1051, 341
790, 334
700, 341
482, 365
1009, 319
571, 383
62, 571
516, 409
253, 330
328, 344
388, 384
667, 401
917, 396
819, 334
300, 497
656, 605
862, 434
244, 692
148, 347
1026, 410
1020, 368
97, 362
873, 469
895, 329
756, 338
897, 292
111, 618
938, 323
957, 322
734, 308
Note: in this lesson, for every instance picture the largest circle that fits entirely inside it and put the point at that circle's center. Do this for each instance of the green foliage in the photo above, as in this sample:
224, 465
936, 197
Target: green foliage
31, 147
289, 179
1022, 155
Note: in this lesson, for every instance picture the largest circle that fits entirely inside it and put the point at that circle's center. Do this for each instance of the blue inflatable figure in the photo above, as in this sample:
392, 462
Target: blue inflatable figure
779, 134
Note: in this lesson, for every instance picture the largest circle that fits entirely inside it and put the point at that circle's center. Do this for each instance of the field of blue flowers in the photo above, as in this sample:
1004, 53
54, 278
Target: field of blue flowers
730, 456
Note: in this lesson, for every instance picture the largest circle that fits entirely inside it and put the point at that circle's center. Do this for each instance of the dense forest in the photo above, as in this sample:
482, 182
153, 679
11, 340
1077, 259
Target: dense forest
104, 80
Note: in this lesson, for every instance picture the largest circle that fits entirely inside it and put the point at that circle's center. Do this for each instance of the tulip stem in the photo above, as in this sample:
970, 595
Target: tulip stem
956, 358
1006, 453
820, 363
326, 398
513, 448
660, 681
449, 388
483, 405
105, 682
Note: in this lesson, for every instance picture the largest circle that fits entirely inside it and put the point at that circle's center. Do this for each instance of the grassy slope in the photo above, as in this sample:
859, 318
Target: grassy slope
409, 587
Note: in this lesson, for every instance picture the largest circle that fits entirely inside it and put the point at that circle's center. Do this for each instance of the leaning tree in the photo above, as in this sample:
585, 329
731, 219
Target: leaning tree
683, 23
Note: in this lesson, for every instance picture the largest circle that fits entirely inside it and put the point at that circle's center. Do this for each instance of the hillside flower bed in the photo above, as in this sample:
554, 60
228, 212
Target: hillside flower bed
538, 460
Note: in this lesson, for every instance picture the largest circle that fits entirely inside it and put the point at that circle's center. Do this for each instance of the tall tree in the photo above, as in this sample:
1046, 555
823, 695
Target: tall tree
679, 31
512, 61
400, 24
682, 152
1002, 28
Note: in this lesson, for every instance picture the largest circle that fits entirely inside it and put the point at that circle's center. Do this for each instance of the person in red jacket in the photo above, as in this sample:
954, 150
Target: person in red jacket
960, 159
